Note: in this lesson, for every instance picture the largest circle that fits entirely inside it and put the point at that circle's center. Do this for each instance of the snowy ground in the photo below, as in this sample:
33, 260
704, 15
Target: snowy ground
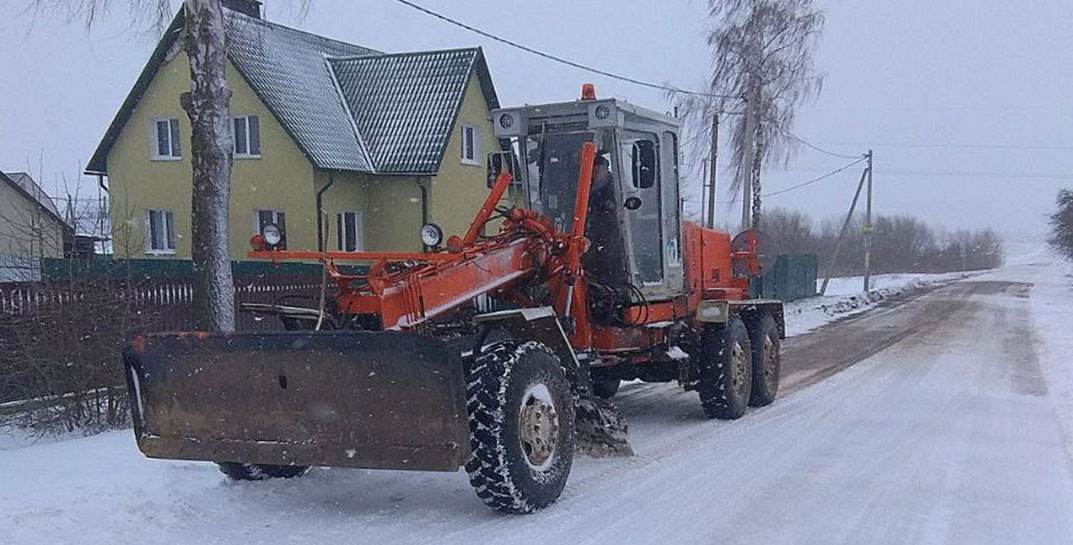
845, 297
960, 430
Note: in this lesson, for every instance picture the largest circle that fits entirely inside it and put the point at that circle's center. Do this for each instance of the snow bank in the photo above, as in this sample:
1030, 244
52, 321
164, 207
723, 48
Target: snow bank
845, 297
1051, 301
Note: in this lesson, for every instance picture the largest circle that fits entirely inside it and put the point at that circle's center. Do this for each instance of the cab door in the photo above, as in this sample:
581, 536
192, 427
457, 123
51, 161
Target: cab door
643, 206
673, 274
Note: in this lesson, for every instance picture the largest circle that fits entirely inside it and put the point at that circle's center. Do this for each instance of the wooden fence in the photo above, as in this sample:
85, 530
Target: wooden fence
157, 304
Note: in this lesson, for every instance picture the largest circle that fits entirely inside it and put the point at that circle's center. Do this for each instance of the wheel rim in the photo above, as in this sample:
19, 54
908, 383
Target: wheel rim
739, 368
538, 427
771, 362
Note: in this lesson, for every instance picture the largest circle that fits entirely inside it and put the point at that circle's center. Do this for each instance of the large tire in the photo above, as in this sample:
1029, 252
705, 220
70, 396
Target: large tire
521, 421
767, 360
606, 388
259, 472
725, 370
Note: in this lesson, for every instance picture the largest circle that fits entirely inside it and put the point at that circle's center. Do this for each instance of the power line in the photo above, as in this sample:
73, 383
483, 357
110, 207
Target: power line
979, 174
808, 144
958, 146
808, 183
555, 58
814, 180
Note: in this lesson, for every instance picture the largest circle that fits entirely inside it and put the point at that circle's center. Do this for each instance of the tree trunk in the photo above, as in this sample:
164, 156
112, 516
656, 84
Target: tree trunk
207, 105
746, 161
759, 147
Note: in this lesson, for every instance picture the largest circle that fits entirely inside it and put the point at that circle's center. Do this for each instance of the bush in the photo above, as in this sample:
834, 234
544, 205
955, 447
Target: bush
900, 244
59, 358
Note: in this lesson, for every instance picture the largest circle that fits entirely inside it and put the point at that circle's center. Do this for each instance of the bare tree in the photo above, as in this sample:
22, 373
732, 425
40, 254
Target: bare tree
207, 104
762, 60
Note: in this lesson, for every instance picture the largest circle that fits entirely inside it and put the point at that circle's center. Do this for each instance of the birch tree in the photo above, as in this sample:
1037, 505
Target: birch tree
762, 67
207, 104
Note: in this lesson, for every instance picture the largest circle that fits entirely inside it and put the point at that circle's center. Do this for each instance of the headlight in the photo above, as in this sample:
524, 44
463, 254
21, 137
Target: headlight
506, 121
602, 112
431, 235
272, 234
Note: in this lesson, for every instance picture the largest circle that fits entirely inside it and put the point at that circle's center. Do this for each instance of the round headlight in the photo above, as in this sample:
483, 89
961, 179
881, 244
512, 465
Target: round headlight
506, 121
603, 112
431, 234
272, 234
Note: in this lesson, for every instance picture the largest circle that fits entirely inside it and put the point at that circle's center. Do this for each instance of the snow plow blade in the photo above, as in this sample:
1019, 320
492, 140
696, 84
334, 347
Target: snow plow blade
377, 400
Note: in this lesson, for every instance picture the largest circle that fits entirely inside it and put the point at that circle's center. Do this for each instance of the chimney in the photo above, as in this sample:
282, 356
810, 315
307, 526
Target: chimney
251, 8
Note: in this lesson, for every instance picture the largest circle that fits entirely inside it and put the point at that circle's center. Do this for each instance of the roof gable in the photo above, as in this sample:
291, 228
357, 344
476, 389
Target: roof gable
405, 105
287, 70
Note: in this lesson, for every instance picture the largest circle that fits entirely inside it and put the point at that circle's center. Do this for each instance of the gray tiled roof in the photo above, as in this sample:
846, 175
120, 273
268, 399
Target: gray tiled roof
404, 105
287, 69
398, 109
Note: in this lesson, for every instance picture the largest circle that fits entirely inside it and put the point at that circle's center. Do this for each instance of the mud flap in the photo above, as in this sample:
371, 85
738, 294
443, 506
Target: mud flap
379, 400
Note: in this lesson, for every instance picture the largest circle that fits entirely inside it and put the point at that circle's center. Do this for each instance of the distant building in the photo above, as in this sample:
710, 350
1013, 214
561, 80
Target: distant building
384, 142
31, 227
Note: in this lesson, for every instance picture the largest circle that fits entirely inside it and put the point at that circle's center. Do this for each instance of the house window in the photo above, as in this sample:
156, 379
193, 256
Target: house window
351, 232
161, 228
166, 140
246, 133
264, 217
470, 145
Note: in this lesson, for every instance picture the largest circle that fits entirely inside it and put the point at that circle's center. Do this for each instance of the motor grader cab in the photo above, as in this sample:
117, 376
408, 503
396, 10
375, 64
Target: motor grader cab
602, 279
634, 212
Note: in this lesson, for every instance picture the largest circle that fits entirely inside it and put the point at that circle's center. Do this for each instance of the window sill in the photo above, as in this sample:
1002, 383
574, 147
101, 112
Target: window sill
471, 163
245, 157
160, 253
165, 158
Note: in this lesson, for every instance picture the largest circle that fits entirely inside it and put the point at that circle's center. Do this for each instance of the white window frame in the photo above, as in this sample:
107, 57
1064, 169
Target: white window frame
476, 143
359, 231
168, 225
154, 139
245, 118
275, 219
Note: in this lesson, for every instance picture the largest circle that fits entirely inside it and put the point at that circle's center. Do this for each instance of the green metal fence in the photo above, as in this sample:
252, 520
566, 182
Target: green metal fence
108, 267
793, 277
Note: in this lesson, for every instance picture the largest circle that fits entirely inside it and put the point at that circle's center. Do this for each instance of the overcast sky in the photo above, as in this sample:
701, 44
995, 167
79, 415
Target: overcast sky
967, 103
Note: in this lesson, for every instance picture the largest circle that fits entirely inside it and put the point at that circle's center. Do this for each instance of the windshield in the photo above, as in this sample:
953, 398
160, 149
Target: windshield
553, 163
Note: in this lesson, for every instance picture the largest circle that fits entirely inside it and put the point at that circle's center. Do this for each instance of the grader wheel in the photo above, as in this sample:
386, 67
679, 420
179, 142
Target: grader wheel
521, 420
726, 370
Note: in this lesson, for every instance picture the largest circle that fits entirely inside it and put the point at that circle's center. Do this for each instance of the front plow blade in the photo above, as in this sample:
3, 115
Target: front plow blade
379, 400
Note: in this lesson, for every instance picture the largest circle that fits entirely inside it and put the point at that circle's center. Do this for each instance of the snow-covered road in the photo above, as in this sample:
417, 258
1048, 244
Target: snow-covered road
954, 428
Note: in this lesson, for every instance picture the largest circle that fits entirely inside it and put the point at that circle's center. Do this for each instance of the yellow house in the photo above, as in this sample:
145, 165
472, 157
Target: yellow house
379, 143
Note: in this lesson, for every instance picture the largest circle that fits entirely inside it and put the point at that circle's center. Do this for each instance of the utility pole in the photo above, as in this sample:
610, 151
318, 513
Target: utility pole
868, 230
842, 233
713, 155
